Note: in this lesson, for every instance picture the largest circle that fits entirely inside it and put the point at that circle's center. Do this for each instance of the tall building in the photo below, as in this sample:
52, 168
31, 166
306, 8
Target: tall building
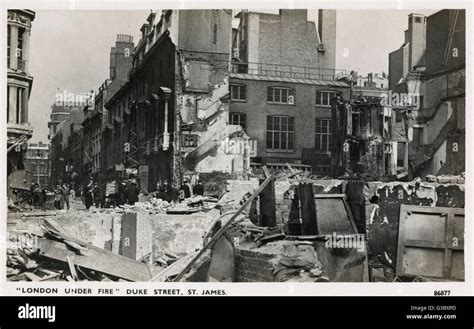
97, 136
37, 164
429, 68
282, 80
66, 119
19, 83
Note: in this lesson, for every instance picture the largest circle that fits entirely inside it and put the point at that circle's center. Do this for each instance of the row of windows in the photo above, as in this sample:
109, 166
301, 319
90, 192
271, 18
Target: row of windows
280, 95
280, 132
20, 44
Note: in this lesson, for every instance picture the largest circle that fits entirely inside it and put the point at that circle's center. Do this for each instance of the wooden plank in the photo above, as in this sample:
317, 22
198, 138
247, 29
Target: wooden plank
32, 276
351, 217
433, 210
401, 239
293, 171
329, 196
101, 261
266, 171
173, 269
448, 253
72, 268
425, 244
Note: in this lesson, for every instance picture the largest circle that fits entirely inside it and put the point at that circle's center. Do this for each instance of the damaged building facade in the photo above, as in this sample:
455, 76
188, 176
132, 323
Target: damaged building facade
172, 113
430, 69
368, 142
285, 108
19, 84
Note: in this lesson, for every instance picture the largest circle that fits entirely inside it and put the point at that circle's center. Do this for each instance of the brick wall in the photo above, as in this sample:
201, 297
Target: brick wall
253, 266
257, 109
290, 38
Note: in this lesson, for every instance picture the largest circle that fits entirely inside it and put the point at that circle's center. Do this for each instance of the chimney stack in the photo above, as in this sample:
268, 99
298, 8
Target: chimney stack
416, 35
121, 57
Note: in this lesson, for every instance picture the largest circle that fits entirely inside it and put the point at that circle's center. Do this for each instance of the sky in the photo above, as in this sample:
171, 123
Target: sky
73, 53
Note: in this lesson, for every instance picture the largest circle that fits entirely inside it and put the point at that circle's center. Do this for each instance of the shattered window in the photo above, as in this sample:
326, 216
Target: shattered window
323, 135
280, 133
281, 95
238, 119
238, 92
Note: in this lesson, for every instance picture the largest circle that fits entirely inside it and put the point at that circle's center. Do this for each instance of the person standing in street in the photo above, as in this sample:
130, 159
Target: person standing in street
37, 195
198, 189
57, 197
133, 193
184, 190
88, 194
97, 196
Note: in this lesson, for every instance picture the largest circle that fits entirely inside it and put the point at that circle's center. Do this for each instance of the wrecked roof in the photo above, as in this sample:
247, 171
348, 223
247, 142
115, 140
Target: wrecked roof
245, 76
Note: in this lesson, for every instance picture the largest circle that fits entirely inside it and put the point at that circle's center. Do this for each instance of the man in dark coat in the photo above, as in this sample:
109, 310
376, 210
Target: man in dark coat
198, 189
88, 194
184, 190
133, 193
171, 192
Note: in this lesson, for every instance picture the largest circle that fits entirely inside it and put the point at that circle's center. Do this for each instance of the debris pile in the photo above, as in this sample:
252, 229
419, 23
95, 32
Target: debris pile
70, 258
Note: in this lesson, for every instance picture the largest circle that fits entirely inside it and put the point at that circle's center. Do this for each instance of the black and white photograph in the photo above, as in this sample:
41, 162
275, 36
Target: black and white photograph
312, 146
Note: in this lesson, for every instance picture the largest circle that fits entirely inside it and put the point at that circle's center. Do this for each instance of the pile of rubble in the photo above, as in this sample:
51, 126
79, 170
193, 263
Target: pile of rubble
447, 179
67, 254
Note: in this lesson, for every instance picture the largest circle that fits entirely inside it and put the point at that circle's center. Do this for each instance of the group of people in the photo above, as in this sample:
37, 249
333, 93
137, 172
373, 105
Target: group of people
61, 192
171, 194
127, 192
61, 196
93, 194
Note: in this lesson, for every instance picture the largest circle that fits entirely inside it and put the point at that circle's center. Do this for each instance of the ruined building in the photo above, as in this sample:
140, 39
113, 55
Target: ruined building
172, 113
427, 85
19, 83
368, 142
